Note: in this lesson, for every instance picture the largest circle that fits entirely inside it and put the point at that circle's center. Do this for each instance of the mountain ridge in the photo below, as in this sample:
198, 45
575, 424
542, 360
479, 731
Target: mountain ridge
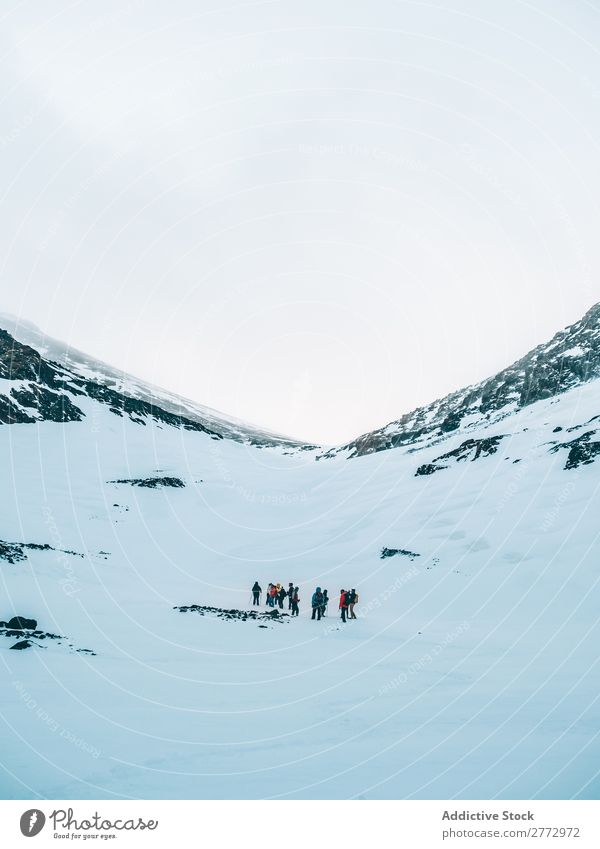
46, 378
570, 358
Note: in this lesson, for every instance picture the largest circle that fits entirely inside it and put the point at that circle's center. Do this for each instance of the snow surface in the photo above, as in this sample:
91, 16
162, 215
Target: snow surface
471, 672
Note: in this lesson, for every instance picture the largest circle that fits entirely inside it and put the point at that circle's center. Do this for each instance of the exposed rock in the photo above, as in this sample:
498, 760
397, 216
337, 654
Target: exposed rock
392, 552
470, 449
274, 615
22, 624
21, 627
151, 483
14, 552
582, 451
54, 406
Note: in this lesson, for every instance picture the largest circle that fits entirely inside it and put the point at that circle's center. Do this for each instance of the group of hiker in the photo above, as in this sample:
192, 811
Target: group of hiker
276, 595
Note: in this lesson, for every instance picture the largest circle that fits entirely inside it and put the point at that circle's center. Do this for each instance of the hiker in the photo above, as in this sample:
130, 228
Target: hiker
290, 595
295, 602
325, 603
256, 591
317, 603
272, 595
343, 604
280, 596
352, 600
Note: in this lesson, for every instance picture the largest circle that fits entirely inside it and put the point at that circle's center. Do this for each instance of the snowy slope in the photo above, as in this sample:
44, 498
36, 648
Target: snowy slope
471, 672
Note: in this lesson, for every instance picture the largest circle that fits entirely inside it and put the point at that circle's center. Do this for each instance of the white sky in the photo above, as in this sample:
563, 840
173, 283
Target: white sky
313, 215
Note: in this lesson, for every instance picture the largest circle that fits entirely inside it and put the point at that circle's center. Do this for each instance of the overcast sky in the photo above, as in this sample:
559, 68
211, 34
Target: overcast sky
313, 215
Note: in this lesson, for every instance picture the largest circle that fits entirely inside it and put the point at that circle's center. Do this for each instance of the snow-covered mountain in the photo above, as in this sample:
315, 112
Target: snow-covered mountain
570, 358
41, 380
136, 667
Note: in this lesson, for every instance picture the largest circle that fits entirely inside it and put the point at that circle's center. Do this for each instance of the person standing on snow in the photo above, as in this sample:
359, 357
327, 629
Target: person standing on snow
295, 602
317, 603
272, 595
256, 591
325, 603
353, 599
343, 604
280, 596
290, 595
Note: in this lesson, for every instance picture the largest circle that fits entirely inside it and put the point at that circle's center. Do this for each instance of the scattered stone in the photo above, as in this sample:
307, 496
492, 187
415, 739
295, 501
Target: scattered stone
27, 630
275, 615
14, 552
152, 483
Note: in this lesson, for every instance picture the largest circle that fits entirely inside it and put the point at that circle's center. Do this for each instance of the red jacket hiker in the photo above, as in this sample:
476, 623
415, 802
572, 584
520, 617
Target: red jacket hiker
343, 604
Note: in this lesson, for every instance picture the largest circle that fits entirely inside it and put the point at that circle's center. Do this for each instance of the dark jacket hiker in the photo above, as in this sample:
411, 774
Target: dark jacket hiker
256, 591
352, 600
295, 602
317, 603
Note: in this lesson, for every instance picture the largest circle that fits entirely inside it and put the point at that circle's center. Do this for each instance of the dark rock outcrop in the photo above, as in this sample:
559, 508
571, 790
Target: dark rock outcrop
392, 552
14, 552
21, 623
470, 449
152, 483
274, 615
27, 632
582, 451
